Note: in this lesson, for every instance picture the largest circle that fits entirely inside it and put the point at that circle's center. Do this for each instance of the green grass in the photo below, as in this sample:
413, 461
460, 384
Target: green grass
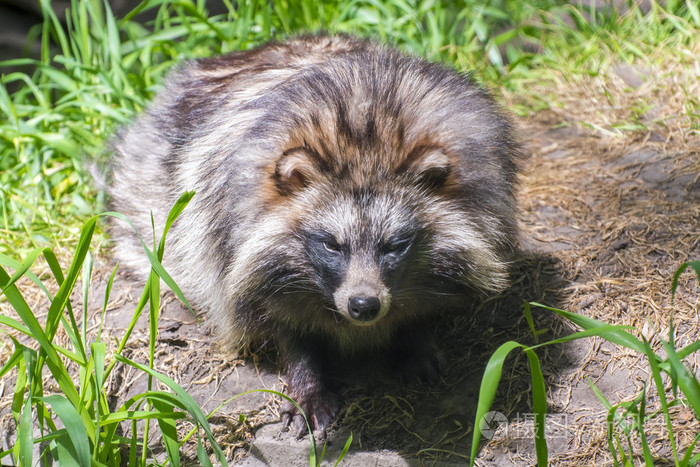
58, 112
89, 433
626, 420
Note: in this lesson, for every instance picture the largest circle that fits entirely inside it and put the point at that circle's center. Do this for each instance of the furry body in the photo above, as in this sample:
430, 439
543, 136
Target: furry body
346, 193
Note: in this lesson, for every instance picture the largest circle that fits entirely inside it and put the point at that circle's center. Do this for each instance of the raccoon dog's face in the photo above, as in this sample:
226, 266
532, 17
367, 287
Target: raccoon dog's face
365, 239
361, 248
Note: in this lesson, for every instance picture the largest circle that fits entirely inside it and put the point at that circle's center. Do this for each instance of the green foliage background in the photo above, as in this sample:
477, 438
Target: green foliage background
96, 71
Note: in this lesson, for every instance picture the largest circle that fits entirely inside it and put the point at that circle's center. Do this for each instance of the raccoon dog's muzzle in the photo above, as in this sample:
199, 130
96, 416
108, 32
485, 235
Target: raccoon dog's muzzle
362, 298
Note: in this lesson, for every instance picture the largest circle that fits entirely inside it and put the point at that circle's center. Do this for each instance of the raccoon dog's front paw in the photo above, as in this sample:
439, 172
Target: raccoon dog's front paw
320, 408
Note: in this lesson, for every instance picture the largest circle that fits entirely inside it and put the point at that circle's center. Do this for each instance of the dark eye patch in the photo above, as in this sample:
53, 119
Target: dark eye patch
397, 246
325, 241
329, 258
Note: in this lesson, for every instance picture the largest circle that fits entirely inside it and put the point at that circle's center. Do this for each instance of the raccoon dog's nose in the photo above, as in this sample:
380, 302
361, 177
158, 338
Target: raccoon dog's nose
363, 308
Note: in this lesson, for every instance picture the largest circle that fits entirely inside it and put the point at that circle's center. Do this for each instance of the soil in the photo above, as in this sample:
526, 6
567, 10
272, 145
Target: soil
604, 227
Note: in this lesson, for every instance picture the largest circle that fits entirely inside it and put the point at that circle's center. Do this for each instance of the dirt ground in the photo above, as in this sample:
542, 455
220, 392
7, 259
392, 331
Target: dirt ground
605, 223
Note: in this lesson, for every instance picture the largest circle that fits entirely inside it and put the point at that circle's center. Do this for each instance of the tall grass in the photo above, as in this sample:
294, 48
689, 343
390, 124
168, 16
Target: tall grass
88, 430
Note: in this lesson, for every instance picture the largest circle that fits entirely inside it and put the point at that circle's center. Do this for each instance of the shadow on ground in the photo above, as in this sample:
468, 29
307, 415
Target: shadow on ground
436, 423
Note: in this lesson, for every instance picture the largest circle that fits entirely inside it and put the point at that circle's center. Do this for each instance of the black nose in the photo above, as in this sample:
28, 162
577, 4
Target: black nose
363, 308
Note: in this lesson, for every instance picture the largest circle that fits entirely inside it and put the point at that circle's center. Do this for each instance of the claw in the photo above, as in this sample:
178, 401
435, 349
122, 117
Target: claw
286, 420
319, 407
300, 426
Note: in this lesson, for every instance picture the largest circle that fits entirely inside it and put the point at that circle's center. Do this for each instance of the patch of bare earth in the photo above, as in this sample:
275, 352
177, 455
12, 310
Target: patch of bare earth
618, 217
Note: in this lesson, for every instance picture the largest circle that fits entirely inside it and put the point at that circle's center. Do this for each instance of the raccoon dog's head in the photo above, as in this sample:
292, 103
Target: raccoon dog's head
388, 188
387, 238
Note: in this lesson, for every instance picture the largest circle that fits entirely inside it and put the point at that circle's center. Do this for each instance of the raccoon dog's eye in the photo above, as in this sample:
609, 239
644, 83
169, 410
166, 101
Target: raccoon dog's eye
397, 247
332, 246
393, 246
323, 243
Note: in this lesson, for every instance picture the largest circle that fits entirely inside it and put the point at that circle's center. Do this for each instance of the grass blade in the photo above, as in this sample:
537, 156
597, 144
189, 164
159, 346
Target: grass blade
661, 391
97, 354
21, 269
87, 273
13, 361
7, 261
618, 337
539, 406
202, 453
63, 296
690, 264
108, 292
25, 435
487, 391
14, 324
687, 382
640, 418
184, 398
118, 417
168, 430
600, 331
344, 451
79, 446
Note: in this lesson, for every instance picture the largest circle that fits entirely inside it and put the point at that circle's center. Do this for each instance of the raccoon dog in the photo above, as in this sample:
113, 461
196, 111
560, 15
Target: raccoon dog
345, 194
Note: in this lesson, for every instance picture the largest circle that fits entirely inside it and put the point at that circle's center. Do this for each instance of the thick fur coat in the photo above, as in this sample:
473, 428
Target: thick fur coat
346, 193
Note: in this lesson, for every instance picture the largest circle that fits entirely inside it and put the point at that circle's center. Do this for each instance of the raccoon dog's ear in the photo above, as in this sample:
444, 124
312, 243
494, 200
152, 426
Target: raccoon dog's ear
431, 167
295, 170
